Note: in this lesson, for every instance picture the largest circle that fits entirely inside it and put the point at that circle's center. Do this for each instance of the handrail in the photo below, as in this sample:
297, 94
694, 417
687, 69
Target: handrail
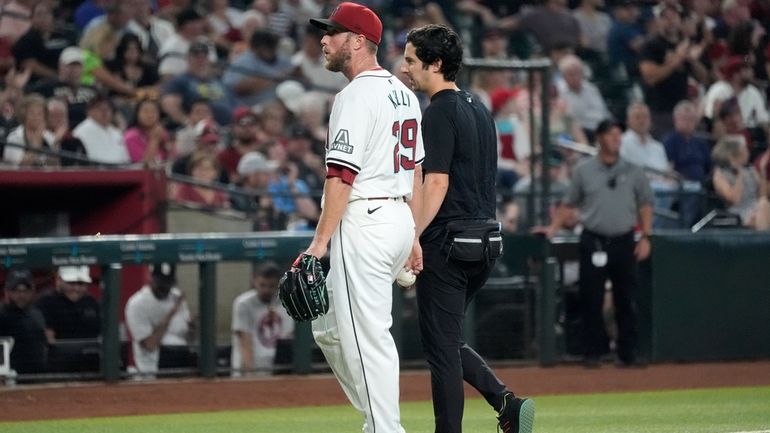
591, 151
62, 154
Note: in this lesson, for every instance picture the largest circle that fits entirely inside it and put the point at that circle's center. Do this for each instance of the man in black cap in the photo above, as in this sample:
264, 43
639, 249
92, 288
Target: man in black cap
159, 321
23, 322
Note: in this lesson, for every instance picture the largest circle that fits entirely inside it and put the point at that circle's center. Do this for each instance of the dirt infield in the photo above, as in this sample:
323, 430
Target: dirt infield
197, 395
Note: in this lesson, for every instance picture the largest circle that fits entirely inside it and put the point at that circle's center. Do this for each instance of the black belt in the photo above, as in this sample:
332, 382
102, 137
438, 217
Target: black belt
606, 238
402, 198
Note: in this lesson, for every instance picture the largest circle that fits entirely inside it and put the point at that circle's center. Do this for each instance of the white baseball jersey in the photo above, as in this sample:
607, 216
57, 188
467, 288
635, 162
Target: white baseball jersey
374, 131
264, 323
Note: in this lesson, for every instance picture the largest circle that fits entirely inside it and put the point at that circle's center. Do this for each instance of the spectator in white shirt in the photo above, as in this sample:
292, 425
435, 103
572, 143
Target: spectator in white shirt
31, 133
638, 147
736, 81
173, 53
103, 141
309, 61
584, 101
151, 30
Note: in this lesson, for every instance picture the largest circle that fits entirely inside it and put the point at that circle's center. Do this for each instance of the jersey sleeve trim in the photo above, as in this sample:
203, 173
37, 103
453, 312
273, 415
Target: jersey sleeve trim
344, 173
343, 163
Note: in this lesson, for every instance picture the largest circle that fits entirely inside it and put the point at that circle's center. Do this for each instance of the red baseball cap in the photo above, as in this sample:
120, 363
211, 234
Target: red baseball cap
732, 65
352, 17
207, 131
241, 112
500, 96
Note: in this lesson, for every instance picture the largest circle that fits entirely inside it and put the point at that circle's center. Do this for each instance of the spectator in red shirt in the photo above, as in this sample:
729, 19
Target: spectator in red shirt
204, 169
244, 129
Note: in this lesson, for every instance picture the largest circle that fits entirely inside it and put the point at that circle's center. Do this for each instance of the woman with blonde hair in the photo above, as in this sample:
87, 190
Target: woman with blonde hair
739, 186
31, 133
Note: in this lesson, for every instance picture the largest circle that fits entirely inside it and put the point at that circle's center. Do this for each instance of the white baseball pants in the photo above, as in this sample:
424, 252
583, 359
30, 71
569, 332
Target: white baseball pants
368, 249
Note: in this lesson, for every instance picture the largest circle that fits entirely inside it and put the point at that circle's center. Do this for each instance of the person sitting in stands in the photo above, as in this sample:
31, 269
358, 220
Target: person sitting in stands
103, 142
204, 168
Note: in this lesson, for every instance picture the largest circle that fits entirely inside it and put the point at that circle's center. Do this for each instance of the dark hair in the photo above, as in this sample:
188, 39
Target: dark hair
729, 107
138, 106
739, 40
606, 125
187, 15
262, 38
123, 44
267, 270
435, 42
197, 158
195, 102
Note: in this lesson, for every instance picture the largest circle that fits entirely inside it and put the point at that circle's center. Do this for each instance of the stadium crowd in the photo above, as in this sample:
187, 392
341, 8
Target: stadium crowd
231, 98
192, 87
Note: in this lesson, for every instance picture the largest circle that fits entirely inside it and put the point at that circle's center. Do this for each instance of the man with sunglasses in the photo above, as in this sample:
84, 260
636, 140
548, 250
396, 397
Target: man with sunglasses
613, 197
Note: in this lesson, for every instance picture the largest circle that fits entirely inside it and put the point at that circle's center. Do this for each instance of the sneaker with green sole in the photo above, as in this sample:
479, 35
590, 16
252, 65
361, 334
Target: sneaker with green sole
517, 415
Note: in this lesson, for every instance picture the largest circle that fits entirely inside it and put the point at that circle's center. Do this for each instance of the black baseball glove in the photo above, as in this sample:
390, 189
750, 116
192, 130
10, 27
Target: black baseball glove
302, 289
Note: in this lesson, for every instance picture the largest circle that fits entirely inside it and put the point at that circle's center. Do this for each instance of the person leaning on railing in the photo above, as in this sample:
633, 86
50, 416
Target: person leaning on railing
740, 187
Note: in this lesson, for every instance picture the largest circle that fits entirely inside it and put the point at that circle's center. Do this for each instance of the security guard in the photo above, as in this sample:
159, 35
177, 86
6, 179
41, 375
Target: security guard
613, 197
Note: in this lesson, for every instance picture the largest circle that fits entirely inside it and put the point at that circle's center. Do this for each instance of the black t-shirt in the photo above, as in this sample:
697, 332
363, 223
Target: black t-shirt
70, 319
664, 95
72, 144
76, 98
149, 76
460, 140
27, 327
32, 45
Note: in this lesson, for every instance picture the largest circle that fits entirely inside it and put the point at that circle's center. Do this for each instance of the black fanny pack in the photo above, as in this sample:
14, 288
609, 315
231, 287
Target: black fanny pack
473, 241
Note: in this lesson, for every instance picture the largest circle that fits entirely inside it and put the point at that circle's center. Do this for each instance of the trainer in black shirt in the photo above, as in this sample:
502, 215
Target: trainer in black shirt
459, 135
458, 241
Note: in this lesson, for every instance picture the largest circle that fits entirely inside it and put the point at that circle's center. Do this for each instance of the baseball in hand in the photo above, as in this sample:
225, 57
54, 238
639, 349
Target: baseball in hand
405, 278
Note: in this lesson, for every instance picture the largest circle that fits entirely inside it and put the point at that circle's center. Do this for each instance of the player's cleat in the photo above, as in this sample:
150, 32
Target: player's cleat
517, 415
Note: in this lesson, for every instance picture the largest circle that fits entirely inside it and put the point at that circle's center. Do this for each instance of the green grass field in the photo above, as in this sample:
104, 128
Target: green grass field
720, 410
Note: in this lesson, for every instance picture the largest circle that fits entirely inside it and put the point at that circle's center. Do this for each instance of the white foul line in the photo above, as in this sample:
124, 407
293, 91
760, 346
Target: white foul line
753, 431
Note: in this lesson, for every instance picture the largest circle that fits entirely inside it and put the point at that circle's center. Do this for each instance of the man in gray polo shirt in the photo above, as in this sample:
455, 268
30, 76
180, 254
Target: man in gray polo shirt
613, 197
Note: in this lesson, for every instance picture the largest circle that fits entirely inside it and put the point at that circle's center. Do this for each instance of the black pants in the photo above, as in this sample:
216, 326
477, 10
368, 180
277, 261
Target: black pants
444, 290
621, 271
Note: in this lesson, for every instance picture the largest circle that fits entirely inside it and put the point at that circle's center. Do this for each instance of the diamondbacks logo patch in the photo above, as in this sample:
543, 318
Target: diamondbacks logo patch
341, 142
